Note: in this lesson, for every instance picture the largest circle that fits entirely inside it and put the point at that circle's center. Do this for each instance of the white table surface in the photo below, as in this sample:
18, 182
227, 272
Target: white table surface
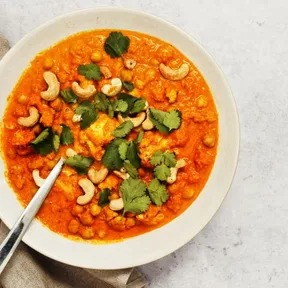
246, 243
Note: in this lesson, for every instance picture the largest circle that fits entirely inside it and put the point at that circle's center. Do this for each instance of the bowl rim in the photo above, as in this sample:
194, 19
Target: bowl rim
167, 250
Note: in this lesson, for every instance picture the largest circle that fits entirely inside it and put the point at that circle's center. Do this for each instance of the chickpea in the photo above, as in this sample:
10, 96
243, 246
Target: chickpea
130, 222
51, 164
139, 84
56, 104
101, 234
73, 226
77, 209
171, 94
95, 209
155, 62
37, 129
86, 219
202, 101
23, 99
114, 196
126, 75
96, 56
87, 232
188, 193
209, 140
150, 74
48, 63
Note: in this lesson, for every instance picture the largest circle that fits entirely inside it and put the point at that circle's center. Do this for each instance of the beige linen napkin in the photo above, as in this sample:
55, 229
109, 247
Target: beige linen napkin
28, 268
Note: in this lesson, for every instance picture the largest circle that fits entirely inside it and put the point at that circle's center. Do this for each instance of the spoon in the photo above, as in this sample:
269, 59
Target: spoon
9, 245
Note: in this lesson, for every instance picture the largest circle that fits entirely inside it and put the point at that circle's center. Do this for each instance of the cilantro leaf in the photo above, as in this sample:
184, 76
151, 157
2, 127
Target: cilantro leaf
139, 137
56, 142
157, 158
104, 197
123, 150
111, 158
132, 154
157, 192
123, 129
79, 163
162, 172
88, 113
110, 111
66, 137
172, 119
128, 85
138, 105
116, 44
90, 71
44, 144
135, 104
157, 118
134, 196
120, 106
69, 96
169, 159
102, 102
132, 171
165, 122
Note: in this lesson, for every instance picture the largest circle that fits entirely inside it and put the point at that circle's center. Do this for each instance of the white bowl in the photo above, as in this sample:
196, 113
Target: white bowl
160, 242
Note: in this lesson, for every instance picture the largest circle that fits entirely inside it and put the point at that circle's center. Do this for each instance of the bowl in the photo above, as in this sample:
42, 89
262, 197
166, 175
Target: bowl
160, 242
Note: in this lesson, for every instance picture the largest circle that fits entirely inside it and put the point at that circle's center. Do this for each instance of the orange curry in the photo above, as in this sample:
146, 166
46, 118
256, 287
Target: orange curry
136, 122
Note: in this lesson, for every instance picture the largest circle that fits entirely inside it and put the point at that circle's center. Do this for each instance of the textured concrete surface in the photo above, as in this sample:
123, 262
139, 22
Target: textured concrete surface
246, 243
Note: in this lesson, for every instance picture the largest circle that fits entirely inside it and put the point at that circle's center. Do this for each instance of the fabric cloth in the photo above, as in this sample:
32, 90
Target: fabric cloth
27, 268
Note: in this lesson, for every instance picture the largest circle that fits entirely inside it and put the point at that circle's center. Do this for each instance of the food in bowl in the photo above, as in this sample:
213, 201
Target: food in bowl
134, 119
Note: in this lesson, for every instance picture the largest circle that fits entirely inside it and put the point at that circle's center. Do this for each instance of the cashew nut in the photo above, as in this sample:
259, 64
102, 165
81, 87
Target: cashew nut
174, 74
116, 204
174, 170
83, 93
89, 190
112, 89
53, 86
31, 120
106, 72
123, 175
37, 179
137, 120
98, 176
76, 118
147, 124
70, 152
129, 63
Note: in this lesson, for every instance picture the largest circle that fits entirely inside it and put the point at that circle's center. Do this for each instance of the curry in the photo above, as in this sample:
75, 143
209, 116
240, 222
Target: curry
134, 119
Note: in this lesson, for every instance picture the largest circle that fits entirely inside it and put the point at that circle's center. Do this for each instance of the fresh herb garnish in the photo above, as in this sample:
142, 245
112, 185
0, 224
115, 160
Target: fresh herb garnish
162, 172
123, 129
132, 171
120, 106
123, 147
167, 158
66, 137
116, 44
102, 103
135, 104
111, 158
134, 196
104, 197
165, 122
46, 142
90, 71
69, 96
132, 154
80, 163
128, 85
139, 137
157, 192
88, 113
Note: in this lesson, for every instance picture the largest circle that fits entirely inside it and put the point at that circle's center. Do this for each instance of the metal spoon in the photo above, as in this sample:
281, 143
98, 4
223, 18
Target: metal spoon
14, 237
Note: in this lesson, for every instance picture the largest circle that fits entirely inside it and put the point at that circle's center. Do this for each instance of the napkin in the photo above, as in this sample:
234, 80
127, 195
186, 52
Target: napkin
27, 268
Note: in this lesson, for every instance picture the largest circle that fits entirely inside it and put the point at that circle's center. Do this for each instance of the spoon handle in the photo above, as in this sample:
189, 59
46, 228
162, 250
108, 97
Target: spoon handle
14, 237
